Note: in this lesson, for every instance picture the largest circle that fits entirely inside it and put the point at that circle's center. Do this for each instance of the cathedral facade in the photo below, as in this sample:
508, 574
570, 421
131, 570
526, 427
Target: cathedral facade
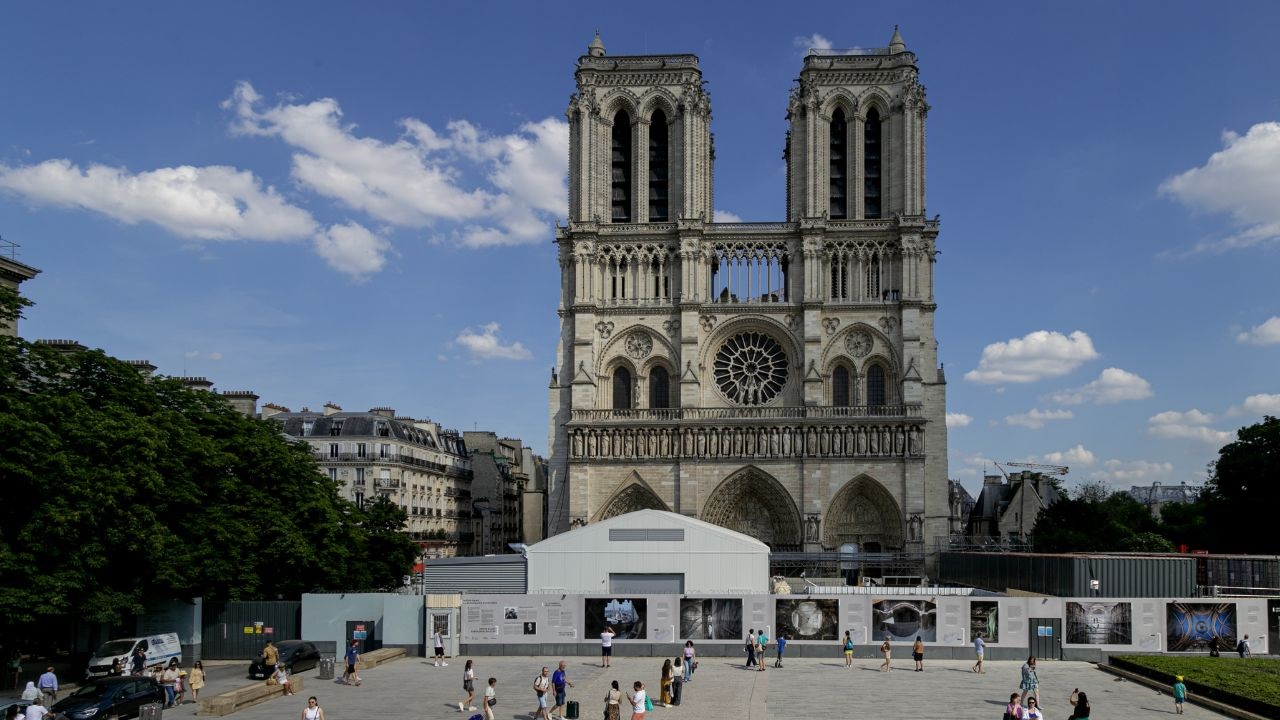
779, 379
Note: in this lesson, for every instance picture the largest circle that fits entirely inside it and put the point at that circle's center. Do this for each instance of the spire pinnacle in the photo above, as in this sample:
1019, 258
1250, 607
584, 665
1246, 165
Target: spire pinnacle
596, 48
896, 45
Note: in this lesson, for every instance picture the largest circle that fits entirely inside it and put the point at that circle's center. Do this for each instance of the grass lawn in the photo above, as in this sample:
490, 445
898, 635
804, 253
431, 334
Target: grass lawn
1254, 679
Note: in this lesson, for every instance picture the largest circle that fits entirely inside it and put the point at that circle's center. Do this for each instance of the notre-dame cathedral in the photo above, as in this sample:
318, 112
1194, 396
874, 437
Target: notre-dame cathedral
779, 378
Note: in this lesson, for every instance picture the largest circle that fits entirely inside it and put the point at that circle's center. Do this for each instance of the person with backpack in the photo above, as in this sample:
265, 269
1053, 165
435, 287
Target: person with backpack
1242, 647
848, 650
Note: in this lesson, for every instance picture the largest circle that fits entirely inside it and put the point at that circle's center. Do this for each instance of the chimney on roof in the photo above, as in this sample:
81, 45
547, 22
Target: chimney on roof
143, 366
244, 402
272, 409
62, 346
196, 382
330, 408
385, 412
991, 480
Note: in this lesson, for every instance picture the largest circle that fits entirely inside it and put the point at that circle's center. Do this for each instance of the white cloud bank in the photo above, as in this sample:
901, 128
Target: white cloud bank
1120, 472
958, 420
1189, 425
1262, 404
1077, 455
1035, 356
1268, 333
814, 41
486, 345
1036, 419
1240, 180
353, 249
1113, 385
418, 180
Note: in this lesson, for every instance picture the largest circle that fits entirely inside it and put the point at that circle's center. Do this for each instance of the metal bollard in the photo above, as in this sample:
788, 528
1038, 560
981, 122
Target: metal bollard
326, 668
151, 711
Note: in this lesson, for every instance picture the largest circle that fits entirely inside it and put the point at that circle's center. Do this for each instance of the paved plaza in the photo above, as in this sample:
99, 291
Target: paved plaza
411, 688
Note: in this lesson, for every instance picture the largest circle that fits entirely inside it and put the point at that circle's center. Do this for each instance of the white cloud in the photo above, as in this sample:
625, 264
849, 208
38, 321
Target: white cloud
1268, 333
1189, 425
1035, 419
724, 216
1240, 180
215, 356
207, 203
958, 420
1036, 356
814, 41
352, 249
1113, 385
1131, 471
1262, 405
486, 345
1077, 455
420, 178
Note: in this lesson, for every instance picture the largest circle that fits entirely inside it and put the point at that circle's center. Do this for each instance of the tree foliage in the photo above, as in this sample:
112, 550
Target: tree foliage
117, 488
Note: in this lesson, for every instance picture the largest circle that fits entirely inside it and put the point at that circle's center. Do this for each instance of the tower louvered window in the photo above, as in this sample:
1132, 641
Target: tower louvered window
839, 209
658, 153
622, 389
875, 385
621, 168
871, 165
840, 387
659, 388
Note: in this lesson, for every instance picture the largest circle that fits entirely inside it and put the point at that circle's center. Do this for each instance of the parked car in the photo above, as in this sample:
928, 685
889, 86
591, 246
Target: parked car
160, 649
295, 655
104, 697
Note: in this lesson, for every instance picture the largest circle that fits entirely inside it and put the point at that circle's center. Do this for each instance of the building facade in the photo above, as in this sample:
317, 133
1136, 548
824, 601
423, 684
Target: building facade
497, 490
413, 463
12, 275
779, 379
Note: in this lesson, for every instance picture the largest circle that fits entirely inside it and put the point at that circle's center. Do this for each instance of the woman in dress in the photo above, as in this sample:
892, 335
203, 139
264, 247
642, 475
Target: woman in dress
886, 650
196, 680
1030, 681
638, 701
612, 699
917, 654
312, 711
664, 696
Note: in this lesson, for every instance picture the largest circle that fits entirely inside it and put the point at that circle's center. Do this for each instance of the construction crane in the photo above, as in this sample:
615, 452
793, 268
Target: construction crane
1043, 469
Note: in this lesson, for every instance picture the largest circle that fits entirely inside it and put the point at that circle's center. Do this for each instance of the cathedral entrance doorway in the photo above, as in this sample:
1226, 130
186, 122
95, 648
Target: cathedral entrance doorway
863, 512
752, 502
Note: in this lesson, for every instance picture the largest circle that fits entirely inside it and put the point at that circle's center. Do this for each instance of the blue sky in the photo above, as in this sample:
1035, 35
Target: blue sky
355, 202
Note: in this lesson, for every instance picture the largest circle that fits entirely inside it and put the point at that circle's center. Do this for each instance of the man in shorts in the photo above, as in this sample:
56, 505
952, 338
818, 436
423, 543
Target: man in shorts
979, 648
541, 685
559, 681
606, 645
353, 657
438, 640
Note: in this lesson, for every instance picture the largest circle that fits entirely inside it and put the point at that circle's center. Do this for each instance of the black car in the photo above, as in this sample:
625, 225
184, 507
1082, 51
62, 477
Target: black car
295, 655
104, 697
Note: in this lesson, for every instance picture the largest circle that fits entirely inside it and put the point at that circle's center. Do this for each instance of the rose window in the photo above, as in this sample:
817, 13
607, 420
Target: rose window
750, 368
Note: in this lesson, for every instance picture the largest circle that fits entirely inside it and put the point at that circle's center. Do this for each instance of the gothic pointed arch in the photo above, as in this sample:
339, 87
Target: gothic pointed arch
754, 503
863, 512
634, 494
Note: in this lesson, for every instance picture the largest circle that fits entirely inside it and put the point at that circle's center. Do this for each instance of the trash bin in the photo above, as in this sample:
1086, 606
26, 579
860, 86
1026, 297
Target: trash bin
150, 711
326, 668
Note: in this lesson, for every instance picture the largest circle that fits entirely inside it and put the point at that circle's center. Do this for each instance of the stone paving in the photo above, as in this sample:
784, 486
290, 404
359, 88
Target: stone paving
947, 690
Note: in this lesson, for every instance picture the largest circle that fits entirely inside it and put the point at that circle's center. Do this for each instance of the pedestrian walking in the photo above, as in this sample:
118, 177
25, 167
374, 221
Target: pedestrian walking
1013, 711
353, 658
762, 641
1179, 694
887, 651
560, 682
979, 649
312, 711
1213, 647
612, 701
469, 686
677, 682
438, 639
782, 646
168, 680
196, 680
1030, 681
15, 667
541, 684
180, 686
1242, 647
48, 684
138, 663
606, 645
270, 655
664, 684
31, 693
848, 650
750, 647
689, 655
1080, 705
490, 699
640, 702
917, 654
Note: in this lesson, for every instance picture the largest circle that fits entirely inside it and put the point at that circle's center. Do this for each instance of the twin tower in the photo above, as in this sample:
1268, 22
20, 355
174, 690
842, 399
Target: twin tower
779, 379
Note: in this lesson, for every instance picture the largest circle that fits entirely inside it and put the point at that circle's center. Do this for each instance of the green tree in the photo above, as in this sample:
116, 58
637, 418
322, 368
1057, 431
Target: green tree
389, 551
1098, 520
1244, 481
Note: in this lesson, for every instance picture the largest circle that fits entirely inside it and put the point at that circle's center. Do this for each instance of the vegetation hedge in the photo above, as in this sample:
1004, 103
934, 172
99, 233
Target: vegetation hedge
1251, 684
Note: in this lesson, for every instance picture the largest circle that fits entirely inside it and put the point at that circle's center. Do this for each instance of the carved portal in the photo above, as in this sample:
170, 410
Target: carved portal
863, 512
753, 503
635, 496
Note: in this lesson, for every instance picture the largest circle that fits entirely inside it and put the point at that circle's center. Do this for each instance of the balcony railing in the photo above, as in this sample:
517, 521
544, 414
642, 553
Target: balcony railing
371, 457
746, 413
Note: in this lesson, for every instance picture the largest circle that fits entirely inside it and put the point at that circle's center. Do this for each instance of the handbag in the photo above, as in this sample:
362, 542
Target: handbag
493, 701
648, 703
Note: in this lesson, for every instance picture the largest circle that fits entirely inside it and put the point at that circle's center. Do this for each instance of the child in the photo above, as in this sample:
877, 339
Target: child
1179, 694
180, 687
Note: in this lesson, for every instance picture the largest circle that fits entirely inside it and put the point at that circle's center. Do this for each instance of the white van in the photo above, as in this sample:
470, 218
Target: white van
160, 649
